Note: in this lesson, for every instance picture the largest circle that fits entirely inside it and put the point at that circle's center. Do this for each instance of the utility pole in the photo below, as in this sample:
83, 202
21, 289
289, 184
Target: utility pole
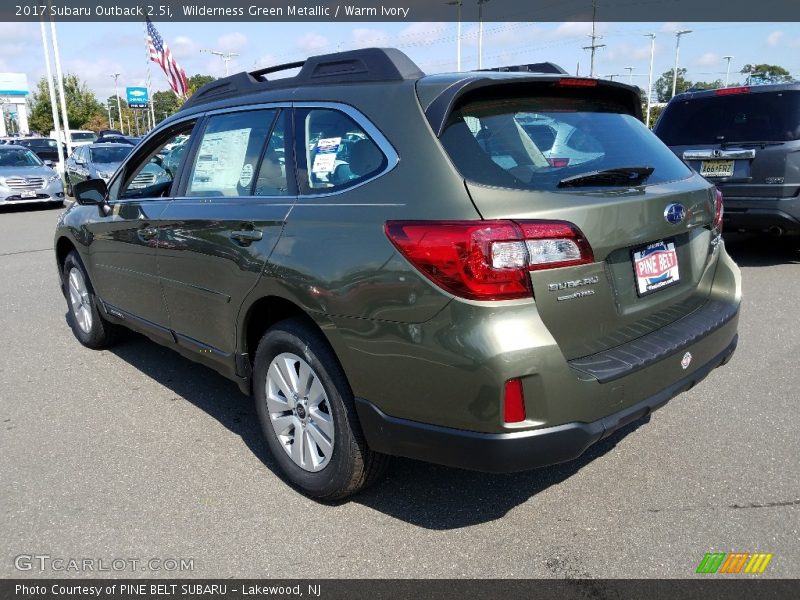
594, 46
115, 76
727, 69
652, 37
225, 56
480, 32
458, 4
678, 35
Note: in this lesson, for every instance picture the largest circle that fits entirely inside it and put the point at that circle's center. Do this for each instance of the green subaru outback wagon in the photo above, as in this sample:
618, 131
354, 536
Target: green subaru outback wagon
487, 270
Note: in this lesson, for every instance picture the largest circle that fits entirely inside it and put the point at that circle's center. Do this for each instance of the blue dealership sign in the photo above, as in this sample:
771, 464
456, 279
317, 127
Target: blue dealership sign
137, 97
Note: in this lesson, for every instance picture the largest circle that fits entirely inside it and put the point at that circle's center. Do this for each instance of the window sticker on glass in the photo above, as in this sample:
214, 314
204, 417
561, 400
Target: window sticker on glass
220, 160
246, 176
325, 155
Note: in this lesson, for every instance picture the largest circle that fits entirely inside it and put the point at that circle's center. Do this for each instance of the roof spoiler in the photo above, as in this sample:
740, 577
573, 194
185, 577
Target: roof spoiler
439, 110
542, 67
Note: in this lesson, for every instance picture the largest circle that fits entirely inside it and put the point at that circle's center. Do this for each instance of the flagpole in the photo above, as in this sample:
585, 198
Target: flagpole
149, 77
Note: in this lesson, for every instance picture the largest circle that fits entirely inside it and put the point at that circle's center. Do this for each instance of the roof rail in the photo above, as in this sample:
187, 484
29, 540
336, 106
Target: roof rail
543, 67
364, 65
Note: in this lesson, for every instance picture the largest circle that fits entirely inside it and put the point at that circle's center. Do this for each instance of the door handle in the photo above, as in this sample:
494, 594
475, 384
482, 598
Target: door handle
245, 236
147, 233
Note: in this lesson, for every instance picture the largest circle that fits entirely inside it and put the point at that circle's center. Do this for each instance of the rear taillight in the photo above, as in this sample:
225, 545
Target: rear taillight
716, 227
731, 90
558, 162
513, 402
488, 260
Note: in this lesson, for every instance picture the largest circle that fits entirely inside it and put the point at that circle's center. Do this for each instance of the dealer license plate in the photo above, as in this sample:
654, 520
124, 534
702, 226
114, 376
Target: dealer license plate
655, 267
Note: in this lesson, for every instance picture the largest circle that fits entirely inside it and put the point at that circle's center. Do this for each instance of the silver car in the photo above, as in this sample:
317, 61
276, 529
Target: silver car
25, 179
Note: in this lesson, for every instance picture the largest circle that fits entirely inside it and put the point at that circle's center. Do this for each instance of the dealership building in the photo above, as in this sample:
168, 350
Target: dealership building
13, 101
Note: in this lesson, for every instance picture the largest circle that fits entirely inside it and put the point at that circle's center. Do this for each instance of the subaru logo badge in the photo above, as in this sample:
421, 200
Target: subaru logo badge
674, 213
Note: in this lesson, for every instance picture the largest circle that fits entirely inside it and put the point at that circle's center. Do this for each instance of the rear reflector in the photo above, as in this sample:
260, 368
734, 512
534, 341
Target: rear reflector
513, 402
570, 82
731, 90
718, 212
488, 260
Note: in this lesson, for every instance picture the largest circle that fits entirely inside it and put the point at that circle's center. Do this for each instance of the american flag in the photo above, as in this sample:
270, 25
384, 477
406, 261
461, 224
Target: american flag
160, 53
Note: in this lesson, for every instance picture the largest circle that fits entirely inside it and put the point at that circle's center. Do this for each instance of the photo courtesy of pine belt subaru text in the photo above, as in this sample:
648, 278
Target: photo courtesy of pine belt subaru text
488, 270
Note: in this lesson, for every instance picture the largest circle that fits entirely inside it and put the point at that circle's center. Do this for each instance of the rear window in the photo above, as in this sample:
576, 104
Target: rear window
748, 117
38, 144
83, 136
110, 155
536, 142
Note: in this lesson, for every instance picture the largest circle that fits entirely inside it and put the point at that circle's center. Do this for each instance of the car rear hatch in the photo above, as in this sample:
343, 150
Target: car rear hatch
647, 219
744, 139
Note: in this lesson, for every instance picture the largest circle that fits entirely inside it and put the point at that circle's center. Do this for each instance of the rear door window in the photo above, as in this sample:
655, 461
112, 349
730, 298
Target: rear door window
333, 151
501, 142
733, 118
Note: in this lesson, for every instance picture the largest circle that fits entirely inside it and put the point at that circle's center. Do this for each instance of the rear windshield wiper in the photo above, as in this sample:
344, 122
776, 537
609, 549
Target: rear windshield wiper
756, 143
616, 176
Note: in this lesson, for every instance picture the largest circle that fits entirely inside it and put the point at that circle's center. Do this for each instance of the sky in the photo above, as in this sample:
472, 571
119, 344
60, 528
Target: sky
94, 51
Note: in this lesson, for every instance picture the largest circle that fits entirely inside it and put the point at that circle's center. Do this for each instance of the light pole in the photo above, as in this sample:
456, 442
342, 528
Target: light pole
115, 76
678, 35
630, 74
652, 37
110, 122
225, 56
728, 69
480, 32
60, 82
458, 4
53, 106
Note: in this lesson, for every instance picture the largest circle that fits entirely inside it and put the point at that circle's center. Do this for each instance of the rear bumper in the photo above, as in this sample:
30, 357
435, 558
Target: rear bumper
514, 451
762, 214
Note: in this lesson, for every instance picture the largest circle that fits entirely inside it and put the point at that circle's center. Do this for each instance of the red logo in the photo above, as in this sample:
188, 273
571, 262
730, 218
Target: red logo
656, 264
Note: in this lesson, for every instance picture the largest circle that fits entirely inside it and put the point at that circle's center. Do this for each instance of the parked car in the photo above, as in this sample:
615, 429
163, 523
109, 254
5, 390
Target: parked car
745, 140
172, 159
78, 137
96, 161
45, 148
25, 179
113, 138
434, 288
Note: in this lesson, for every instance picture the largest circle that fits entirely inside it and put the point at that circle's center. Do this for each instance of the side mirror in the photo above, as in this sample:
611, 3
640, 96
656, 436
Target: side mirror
90, 192
49, 163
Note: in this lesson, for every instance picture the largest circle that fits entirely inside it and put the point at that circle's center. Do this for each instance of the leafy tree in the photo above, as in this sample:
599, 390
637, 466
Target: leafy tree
197, 81
165, 104
663, 85
97, 122
764, 73
707, 85
81, 102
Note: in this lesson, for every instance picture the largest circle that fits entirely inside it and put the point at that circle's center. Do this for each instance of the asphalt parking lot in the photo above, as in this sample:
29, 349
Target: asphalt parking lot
139, 453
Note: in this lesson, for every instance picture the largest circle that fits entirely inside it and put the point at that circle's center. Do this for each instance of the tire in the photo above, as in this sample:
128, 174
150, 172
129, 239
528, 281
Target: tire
88, 325
332, 460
